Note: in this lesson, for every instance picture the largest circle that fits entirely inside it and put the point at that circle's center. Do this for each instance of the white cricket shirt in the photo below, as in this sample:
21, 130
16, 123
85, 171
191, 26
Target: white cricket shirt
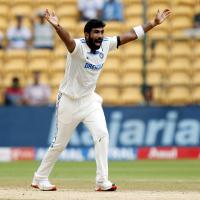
83, 67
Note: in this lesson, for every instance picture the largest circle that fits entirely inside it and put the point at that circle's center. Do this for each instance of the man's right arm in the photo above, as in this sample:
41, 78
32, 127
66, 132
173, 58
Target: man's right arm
66, 38
64, 35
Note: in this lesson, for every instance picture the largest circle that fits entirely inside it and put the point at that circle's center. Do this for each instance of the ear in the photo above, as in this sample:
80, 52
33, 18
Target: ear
86, 35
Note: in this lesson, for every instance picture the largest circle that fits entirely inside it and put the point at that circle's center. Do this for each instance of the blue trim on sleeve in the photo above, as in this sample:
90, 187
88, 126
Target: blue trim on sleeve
105, 39
83, 40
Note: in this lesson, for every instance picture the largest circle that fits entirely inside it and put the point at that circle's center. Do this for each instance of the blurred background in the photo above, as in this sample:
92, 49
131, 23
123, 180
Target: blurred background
150, 87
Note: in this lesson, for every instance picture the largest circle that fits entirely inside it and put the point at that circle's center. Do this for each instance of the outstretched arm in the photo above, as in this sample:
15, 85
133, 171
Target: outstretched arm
64, 35
136, 32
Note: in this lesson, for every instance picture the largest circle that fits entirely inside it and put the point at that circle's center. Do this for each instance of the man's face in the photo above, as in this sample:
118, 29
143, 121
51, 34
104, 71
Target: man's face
95, 38
15, 83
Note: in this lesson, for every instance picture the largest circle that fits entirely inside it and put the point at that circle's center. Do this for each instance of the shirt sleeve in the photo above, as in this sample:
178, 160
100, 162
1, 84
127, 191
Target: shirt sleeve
112, 43
77, 50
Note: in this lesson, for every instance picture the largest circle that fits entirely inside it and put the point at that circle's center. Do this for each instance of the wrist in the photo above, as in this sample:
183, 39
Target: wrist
57, 26
139, 31
154, 23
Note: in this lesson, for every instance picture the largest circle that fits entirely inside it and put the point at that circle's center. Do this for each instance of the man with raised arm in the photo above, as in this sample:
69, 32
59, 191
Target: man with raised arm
77, 101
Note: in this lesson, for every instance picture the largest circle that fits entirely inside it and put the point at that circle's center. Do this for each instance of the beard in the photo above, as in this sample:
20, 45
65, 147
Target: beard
92, 43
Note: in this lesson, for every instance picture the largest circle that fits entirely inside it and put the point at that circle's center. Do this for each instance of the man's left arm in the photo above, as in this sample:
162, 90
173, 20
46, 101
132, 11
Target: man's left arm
139, 31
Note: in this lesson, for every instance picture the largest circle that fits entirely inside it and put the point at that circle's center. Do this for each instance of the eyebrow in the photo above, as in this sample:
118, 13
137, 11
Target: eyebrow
96, 30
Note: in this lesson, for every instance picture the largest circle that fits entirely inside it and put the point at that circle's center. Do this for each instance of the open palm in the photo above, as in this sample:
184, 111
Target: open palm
51, 17
161, 16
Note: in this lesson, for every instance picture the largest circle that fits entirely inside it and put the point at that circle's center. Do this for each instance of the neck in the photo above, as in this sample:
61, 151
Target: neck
90, 46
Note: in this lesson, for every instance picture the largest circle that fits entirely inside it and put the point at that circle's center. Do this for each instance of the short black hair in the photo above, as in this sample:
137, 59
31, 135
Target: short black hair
93, 23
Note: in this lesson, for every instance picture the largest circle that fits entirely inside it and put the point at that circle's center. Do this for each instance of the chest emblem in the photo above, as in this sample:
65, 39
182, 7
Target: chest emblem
101, 55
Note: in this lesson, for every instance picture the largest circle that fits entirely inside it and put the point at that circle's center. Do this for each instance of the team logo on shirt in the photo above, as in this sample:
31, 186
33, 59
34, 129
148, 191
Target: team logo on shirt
101, 55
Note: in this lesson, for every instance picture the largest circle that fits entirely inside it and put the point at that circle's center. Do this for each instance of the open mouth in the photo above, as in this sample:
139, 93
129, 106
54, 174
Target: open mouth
98, 42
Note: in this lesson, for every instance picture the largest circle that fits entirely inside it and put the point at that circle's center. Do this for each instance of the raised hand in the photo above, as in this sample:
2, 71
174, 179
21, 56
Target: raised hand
161, 16
51, 17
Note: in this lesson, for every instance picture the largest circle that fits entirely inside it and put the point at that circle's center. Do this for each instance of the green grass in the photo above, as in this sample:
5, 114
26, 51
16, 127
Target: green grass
181, 175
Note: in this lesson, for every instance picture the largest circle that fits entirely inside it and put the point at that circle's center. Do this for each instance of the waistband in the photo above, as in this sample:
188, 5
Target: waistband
83, 98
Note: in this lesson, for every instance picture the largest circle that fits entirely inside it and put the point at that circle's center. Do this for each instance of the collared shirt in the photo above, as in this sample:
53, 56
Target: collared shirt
43, 36
18, 37
83, 67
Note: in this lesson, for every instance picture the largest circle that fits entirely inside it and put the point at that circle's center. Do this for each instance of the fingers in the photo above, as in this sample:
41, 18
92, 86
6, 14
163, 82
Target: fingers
47, 12
166, 12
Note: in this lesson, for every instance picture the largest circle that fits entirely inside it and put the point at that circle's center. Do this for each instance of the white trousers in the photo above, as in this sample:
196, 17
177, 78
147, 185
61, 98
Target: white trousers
70, 112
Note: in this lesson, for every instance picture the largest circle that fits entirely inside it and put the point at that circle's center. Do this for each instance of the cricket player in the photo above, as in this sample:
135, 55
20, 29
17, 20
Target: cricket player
77, 101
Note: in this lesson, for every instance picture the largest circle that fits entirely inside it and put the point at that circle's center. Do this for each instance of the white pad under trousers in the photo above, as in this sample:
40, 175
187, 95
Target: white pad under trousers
69, 114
